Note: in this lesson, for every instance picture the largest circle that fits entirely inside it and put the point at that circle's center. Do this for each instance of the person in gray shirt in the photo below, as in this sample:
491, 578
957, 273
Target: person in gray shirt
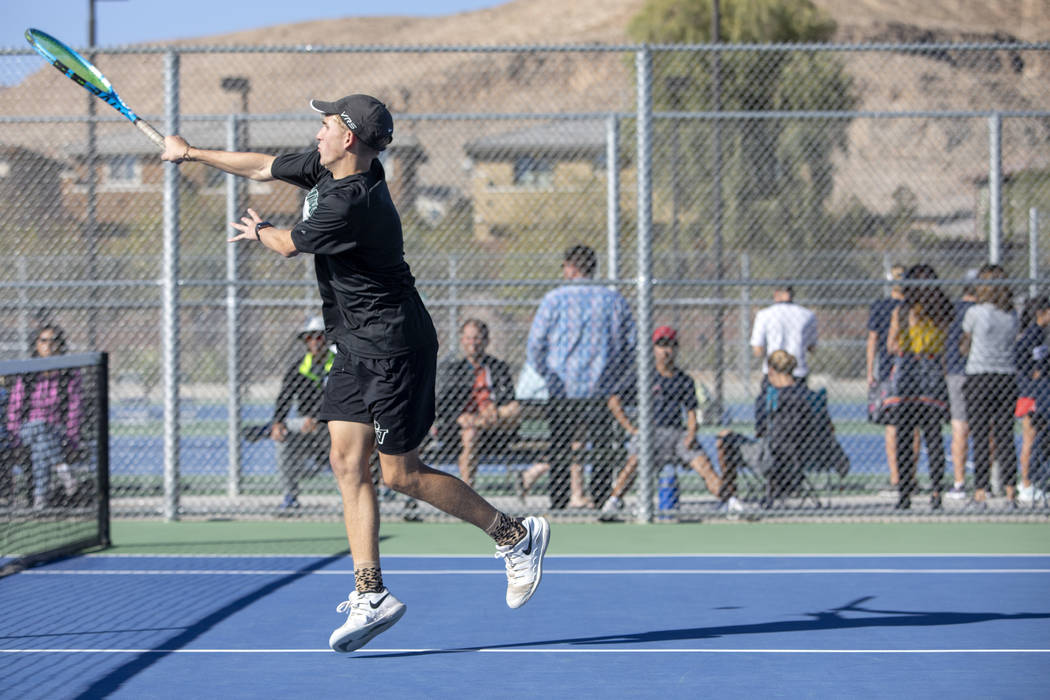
989, 330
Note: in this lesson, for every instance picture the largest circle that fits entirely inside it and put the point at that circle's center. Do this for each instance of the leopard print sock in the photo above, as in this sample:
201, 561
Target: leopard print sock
506, 530
368, 578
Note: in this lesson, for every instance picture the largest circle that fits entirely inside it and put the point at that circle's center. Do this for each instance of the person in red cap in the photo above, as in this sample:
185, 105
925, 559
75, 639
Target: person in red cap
674, 395
380, 391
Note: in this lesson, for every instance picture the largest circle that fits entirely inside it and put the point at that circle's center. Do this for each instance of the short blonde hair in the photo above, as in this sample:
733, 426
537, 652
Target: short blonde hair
782, 361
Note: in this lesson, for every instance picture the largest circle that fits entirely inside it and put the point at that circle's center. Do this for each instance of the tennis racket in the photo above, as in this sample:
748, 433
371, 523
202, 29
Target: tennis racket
78, 69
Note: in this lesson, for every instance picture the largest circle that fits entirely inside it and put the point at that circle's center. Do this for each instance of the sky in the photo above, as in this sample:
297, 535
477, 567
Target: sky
120, 22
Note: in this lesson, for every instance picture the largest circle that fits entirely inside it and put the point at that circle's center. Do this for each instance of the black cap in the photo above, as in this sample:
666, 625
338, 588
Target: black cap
364, 115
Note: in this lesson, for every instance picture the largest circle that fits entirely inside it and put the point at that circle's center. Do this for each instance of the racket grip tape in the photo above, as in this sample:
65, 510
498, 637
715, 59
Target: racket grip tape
154, 135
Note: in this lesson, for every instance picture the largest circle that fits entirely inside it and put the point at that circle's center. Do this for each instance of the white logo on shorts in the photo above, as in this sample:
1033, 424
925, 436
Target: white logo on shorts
380, 432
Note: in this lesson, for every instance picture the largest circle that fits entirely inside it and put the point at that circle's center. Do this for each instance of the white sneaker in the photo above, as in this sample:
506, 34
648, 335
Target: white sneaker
1028, 495
524, 561
731, 508
370, 614
958, 493
611, 508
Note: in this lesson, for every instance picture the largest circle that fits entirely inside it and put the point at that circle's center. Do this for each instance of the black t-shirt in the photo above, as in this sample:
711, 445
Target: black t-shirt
672, 397
369, 300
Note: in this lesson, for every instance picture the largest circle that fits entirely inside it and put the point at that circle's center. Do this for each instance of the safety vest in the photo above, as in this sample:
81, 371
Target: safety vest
306, 367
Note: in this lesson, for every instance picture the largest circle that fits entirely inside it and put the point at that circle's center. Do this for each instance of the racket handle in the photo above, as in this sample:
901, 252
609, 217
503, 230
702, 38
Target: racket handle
154, 135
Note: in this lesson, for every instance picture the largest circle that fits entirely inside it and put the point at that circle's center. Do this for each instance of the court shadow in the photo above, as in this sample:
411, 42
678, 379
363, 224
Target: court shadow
108, 684
834, 619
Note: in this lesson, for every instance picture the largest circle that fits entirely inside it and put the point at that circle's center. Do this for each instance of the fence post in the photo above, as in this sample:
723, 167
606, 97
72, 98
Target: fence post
453, 298
234, 188
744, 326
612, 194
1033, 250
23, 301
643, 65
995, 195
170, 297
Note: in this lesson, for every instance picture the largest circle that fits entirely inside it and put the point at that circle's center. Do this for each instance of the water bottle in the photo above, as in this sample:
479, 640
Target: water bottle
667, 496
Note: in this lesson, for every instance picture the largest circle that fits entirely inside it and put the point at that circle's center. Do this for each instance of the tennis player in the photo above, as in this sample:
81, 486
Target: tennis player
380, 392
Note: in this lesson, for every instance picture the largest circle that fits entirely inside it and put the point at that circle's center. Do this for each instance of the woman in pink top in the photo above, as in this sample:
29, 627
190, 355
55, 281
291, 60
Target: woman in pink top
44, 413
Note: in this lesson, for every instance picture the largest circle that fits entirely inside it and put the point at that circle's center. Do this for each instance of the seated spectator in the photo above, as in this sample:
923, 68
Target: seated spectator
7, 451
793, 434
302, 444
673, 397
476, 408
44, 414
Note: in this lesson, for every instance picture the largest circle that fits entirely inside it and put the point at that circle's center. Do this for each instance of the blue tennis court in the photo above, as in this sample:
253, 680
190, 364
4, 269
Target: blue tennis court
611, 626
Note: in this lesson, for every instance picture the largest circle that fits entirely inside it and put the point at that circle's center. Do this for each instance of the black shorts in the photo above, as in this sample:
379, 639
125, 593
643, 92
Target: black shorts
394, 394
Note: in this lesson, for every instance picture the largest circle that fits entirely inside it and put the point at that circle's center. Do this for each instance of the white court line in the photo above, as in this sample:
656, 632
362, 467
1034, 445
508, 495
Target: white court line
679, 555
530, 651
500, 572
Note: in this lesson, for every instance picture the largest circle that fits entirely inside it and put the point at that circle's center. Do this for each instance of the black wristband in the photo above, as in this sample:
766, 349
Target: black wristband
259, 226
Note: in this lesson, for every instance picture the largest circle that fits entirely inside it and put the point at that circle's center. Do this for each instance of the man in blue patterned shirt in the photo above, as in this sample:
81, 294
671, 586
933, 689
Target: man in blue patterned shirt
582, 343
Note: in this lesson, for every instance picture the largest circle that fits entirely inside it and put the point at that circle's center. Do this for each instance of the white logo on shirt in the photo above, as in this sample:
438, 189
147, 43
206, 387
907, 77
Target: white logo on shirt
310, 203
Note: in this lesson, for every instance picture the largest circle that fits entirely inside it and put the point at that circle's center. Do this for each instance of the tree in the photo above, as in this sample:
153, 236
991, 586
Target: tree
775, 173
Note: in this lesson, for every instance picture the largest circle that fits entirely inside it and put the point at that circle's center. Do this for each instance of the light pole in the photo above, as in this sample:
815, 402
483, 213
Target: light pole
91, 212
720, 355
237, 140
676, 85
240, 85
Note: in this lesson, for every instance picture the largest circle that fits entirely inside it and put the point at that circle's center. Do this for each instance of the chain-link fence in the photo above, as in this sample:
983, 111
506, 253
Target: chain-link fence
704, 178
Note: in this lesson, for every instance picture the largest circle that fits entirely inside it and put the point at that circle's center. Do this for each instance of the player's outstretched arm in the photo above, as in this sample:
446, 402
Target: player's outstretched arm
251, 227
255, 166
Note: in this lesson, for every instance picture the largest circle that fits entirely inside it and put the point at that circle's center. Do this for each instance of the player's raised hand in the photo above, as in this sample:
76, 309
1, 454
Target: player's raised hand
246, 227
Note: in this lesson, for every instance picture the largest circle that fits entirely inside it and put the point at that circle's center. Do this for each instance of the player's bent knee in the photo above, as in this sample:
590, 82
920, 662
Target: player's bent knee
401, 472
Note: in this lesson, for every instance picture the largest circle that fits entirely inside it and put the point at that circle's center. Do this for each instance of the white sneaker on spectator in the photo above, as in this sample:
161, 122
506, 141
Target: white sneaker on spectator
958, 493
370, 614
732, 507
611, 508
1028, 495
524, 561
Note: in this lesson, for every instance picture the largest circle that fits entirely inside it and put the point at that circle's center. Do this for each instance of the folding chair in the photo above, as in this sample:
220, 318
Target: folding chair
762, 479
789, 476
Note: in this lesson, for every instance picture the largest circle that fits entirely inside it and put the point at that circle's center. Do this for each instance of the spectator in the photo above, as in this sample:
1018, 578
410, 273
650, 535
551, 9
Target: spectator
989, 334
674, 397
7, 453
879, 361
302, 444
476, 407
917, 338
955, 366
582, 344
1033, 370
783, 326
44, 413
794, 433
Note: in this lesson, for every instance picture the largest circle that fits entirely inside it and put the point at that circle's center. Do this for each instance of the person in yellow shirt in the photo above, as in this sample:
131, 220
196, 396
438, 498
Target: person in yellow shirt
916, 339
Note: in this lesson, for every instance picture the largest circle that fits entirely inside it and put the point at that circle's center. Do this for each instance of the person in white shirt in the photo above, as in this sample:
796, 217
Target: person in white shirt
783, 326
